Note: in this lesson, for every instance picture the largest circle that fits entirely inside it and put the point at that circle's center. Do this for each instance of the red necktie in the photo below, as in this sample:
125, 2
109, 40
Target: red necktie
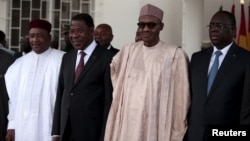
79, 67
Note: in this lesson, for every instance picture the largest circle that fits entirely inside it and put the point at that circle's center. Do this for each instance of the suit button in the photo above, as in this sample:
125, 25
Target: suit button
71, 94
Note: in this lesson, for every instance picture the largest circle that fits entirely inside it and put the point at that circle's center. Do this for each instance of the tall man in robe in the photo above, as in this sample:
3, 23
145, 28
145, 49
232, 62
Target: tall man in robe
150, 86
31, 83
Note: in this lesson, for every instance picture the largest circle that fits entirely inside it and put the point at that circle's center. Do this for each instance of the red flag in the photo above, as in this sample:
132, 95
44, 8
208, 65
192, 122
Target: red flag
233, 12
233, 9
242, 40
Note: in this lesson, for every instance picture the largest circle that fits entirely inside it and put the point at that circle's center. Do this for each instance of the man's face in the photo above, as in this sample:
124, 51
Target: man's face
24, 43
221, 31
150, 27
39, 40
80, 34
103, 35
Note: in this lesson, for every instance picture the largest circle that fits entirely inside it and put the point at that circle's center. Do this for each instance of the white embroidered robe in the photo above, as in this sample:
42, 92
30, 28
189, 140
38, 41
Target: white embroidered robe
32, 84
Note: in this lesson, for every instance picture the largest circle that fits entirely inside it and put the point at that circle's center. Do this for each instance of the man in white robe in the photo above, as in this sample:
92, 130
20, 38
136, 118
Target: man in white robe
151, 89
31, 83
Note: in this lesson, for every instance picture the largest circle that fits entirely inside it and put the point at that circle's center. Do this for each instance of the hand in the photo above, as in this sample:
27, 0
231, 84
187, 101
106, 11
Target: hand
56, 138
10, 136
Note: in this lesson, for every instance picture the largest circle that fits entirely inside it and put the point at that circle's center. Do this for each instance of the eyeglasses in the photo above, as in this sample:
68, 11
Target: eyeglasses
218, 26
150, 25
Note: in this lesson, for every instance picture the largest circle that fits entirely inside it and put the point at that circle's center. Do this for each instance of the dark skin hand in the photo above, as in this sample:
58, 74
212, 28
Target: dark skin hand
10, 135
55, 138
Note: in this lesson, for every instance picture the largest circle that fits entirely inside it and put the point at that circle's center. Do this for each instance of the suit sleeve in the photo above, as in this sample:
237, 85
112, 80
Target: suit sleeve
245, 106
107, 99
57, 109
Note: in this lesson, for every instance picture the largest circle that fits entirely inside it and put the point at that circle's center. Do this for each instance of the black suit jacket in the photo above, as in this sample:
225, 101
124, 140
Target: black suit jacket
18, 54
86, 104
223, 104
114, 50
5, 61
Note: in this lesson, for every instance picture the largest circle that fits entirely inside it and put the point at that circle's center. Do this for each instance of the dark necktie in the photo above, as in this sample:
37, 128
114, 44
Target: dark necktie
213, 70
80, 66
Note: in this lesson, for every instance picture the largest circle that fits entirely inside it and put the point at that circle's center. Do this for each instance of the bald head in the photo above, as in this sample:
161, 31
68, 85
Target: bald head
105, 26
103, 35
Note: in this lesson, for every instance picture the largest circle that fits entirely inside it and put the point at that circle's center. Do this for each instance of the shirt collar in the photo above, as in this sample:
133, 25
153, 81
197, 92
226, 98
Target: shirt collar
43, 54
224, 50
88, 50
109, 47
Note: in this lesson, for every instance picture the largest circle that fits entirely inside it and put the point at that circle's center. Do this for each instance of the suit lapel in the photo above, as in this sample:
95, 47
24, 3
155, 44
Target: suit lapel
204, 69
228, 62
73, 66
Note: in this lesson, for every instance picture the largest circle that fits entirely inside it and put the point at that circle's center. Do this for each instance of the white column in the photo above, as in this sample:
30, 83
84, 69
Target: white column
3, 15
192, 27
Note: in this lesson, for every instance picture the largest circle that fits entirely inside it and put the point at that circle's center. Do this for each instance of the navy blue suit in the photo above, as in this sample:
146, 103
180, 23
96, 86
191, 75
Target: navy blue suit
224, 103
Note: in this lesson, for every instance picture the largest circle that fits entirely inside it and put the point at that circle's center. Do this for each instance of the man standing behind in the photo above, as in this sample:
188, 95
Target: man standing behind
138, 35
217, 101
68, 46
151, 89
6, 60
103, 35
24, 46
84, 91
31, 83
3, 43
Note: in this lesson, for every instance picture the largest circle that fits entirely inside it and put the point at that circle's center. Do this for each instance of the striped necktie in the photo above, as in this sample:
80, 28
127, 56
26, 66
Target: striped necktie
79, 67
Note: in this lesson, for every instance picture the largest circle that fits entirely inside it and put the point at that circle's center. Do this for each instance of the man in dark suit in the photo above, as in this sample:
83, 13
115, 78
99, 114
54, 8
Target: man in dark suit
83, 103
24, 46
6, 60
68, 46
103, 35
221, 105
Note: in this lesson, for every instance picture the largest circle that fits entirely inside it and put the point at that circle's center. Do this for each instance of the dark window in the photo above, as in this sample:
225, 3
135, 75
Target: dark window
75, 5
57, 4
14, 37
24, 27
15, 18
65, 10
36, 4
16, 3
44, 9
35, 14
25, 9
56, 19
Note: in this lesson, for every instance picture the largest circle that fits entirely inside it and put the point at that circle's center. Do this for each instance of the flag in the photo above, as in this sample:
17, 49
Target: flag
248, 33
221, 8
242, 39
233, 9
233, 12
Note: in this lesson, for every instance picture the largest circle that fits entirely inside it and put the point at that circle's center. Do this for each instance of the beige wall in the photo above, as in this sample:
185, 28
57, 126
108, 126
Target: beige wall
122, 15
185, 20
